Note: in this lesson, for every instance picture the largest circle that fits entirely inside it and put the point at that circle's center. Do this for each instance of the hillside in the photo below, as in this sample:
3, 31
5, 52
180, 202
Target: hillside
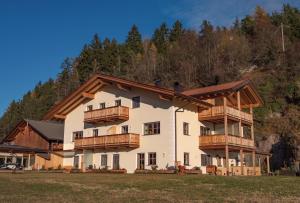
252, 47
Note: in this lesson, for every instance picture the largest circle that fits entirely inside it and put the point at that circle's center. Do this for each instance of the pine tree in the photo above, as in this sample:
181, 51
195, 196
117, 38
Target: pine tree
160, 38
176, 31
134, 40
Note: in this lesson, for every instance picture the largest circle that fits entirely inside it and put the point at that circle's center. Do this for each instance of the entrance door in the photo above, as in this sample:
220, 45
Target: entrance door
116, 161
141, 161
76, 162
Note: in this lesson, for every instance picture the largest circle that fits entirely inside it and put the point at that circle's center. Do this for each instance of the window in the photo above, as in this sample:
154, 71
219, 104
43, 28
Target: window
219, 164
118, 102
206, 160
104, 160
152, 128
89, 108
152, 158
136, 102
77, 135
185, 128
95, 132
102, 105
124, 129
204, 130
186, 158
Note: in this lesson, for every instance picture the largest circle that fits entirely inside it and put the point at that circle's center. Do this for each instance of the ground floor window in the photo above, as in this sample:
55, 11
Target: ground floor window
76, 162
219, 164
116, 161
206, 160
186, 157
152, 158
141, 161
104, 160
2, 161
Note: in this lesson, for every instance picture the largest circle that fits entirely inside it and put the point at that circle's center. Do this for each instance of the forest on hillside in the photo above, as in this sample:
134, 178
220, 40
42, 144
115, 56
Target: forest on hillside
262, 46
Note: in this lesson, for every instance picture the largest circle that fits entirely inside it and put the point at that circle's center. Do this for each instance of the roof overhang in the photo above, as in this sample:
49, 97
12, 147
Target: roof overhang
249, 95
87, 92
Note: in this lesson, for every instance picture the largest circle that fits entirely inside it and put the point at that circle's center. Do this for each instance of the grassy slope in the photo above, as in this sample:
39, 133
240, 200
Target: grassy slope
34, 187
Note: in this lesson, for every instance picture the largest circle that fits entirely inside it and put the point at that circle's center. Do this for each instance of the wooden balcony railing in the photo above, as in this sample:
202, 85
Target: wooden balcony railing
217, 112
116, 141
211, 141
57, 146
115, 113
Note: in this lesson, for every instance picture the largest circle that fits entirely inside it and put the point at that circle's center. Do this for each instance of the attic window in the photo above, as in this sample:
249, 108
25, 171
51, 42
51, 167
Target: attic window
89, 108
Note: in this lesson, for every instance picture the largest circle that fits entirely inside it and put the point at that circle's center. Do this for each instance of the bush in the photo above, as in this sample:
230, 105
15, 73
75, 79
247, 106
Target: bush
59, 167
154, 167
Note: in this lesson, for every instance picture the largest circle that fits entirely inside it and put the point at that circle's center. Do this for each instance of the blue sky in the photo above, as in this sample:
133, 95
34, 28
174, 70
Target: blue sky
36, 35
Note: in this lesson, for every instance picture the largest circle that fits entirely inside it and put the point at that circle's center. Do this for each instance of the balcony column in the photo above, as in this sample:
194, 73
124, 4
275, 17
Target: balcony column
226, 136
253, 162
252, 126
242, 161
239, 108
268, 164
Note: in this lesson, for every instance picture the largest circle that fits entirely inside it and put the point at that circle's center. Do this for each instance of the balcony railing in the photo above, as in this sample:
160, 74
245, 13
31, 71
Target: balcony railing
211, 141
217, 112
115, 141
115, 113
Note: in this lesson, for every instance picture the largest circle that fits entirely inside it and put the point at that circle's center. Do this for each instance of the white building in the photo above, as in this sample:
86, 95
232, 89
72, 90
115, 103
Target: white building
115, 123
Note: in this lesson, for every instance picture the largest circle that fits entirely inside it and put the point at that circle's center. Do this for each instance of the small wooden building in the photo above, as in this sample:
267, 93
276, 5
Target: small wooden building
34, 145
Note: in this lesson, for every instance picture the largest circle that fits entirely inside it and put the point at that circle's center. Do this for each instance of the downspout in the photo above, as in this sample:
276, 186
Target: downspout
179, 109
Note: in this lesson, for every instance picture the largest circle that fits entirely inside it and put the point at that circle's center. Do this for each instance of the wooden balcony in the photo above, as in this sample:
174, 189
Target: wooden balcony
219, 142
216, 113
115, 113
117, 141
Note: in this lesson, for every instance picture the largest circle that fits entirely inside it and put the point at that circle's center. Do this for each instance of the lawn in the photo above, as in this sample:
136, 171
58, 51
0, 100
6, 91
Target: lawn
58, 187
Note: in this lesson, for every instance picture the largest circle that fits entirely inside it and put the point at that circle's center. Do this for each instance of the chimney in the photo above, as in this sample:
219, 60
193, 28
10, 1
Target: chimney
177, 87
157, 82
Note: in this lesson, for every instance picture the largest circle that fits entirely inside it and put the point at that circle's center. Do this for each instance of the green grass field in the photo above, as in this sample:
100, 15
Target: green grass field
51, 187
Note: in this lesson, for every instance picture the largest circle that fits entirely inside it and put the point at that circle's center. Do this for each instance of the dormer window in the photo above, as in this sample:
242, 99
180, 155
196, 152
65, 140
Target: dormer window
102, 105
89, 108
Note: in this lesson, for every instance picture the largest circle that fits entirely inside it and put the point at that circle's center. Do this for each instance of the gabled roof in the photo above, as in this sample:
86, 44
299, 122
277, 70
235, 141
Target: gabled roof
95, 83
245, 86
231, 86
49, 130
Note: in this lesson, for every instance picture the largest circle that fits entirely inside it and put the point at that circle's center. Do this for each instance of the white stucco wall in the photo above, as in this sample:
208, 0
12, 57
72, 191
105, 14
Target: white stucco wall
151, 109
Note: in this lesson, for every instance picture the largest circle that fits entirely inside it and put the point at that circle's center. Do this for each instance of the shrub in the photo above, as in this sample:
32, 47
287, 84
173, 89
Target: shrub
154, 167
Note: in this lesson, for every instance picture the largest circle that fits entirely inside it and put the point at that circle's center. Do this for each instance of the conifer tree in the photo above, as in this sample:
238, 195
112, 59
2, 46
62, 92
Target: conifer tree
176, 31
160, 38
134, 40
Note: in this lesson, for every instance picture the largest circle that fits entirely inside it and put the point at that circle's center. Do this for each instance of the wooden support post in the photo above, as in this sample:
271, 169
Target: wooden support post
252, 126
253, 162
226, 136
28, 163
242, 161
268, 164
239, 108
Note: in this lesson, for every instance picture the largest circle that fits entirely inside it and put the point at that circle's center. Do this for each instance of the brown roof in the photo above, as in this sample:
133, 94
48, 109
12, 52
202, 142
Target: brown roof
216, 88
97, 81
246, 87
50, 130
